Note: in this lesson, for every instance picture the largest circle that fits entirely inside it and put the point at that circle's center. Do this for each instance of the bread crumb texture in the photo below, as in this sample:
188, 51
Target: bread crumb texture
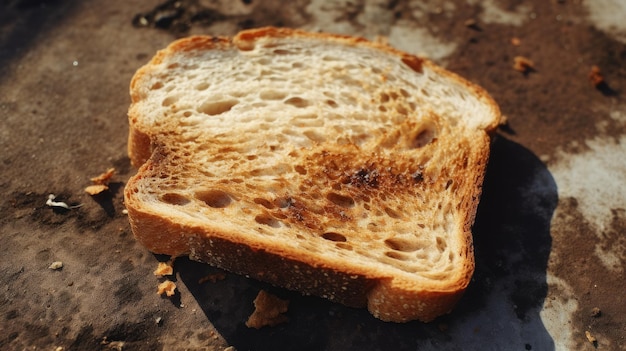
167, 287
100, 182
331, 151
164, 268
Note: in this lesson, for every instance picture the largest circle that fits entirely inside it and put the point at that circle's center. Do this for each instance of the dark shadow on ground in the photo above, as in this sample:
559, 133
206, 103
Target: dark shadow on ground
500, 310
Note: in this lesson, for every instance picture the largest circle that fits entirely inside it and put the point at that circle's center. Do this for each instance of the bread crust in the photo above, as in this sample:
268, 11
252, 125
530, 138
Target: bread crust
389, 299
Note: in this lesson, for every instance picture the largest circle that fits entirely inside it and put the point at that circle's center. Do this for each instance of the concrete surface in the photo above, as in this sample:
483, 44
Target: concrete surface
549, 235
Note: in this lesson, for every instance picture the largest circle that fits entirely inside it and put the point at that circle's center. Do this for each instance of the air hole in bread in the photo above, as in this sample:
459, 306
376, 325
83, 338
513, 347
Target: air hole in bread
203, 86
172, 65
373, 227
404, 93
332, 103
360, 139
297, 65
213, 108
214, 198
300, 169
402, 109
392, 213
284, 202
448, 183
441, 244
252, 157
297, 102
314, 136
272, 95
156, 86
424, 92
400, 244
282, 52
264, 202
169, 100
267, 220
280, 215
424, 137
397, 255
175, 199
382, 108
332, 236
187, 113
340, 200
344, 246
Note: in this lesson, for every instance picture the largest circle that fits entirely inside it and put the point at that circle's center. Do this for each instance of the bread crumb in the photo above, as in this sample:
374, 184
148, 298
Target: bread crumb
96, 189
212, 278
595, 76
268, 311
100, 183
56, 265
164, 268
592, 339
523, 64
168, 288
515, 41
105, 177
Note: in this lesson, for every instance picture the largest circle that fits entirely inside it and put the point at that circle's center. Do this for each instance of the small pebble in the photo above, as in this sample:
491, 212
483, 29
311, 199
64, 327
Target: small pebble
595, 312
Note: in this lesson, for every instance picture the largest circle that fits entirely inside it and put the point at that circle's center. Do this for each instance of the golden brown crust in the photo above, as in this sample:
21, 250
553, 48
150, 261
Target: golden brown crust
388, 299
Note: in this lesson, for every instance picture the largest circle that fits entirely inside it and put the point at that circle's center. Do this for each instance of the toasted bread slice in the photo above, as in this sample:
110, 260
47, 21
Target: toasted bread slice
325, 164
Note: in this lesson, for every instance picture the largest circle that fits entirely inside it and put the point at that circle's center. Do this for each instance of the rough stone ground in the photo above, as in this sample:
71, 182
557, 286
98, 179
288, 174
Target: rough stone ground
549, 236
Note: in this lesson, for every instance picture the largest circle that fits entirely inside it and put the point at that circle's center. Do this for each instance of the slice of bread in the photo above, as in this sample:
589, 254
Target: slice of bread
325, 164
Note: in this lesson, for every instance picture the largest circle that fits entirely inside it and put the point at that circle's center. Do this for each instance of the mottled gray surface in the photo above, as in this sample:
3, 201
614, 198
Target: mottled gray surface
549, 232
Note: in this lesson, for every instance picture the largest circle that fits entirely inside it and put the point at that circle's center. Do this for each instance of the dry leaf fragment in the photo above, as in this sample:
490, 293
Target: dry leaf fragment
168, 288
268, 311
